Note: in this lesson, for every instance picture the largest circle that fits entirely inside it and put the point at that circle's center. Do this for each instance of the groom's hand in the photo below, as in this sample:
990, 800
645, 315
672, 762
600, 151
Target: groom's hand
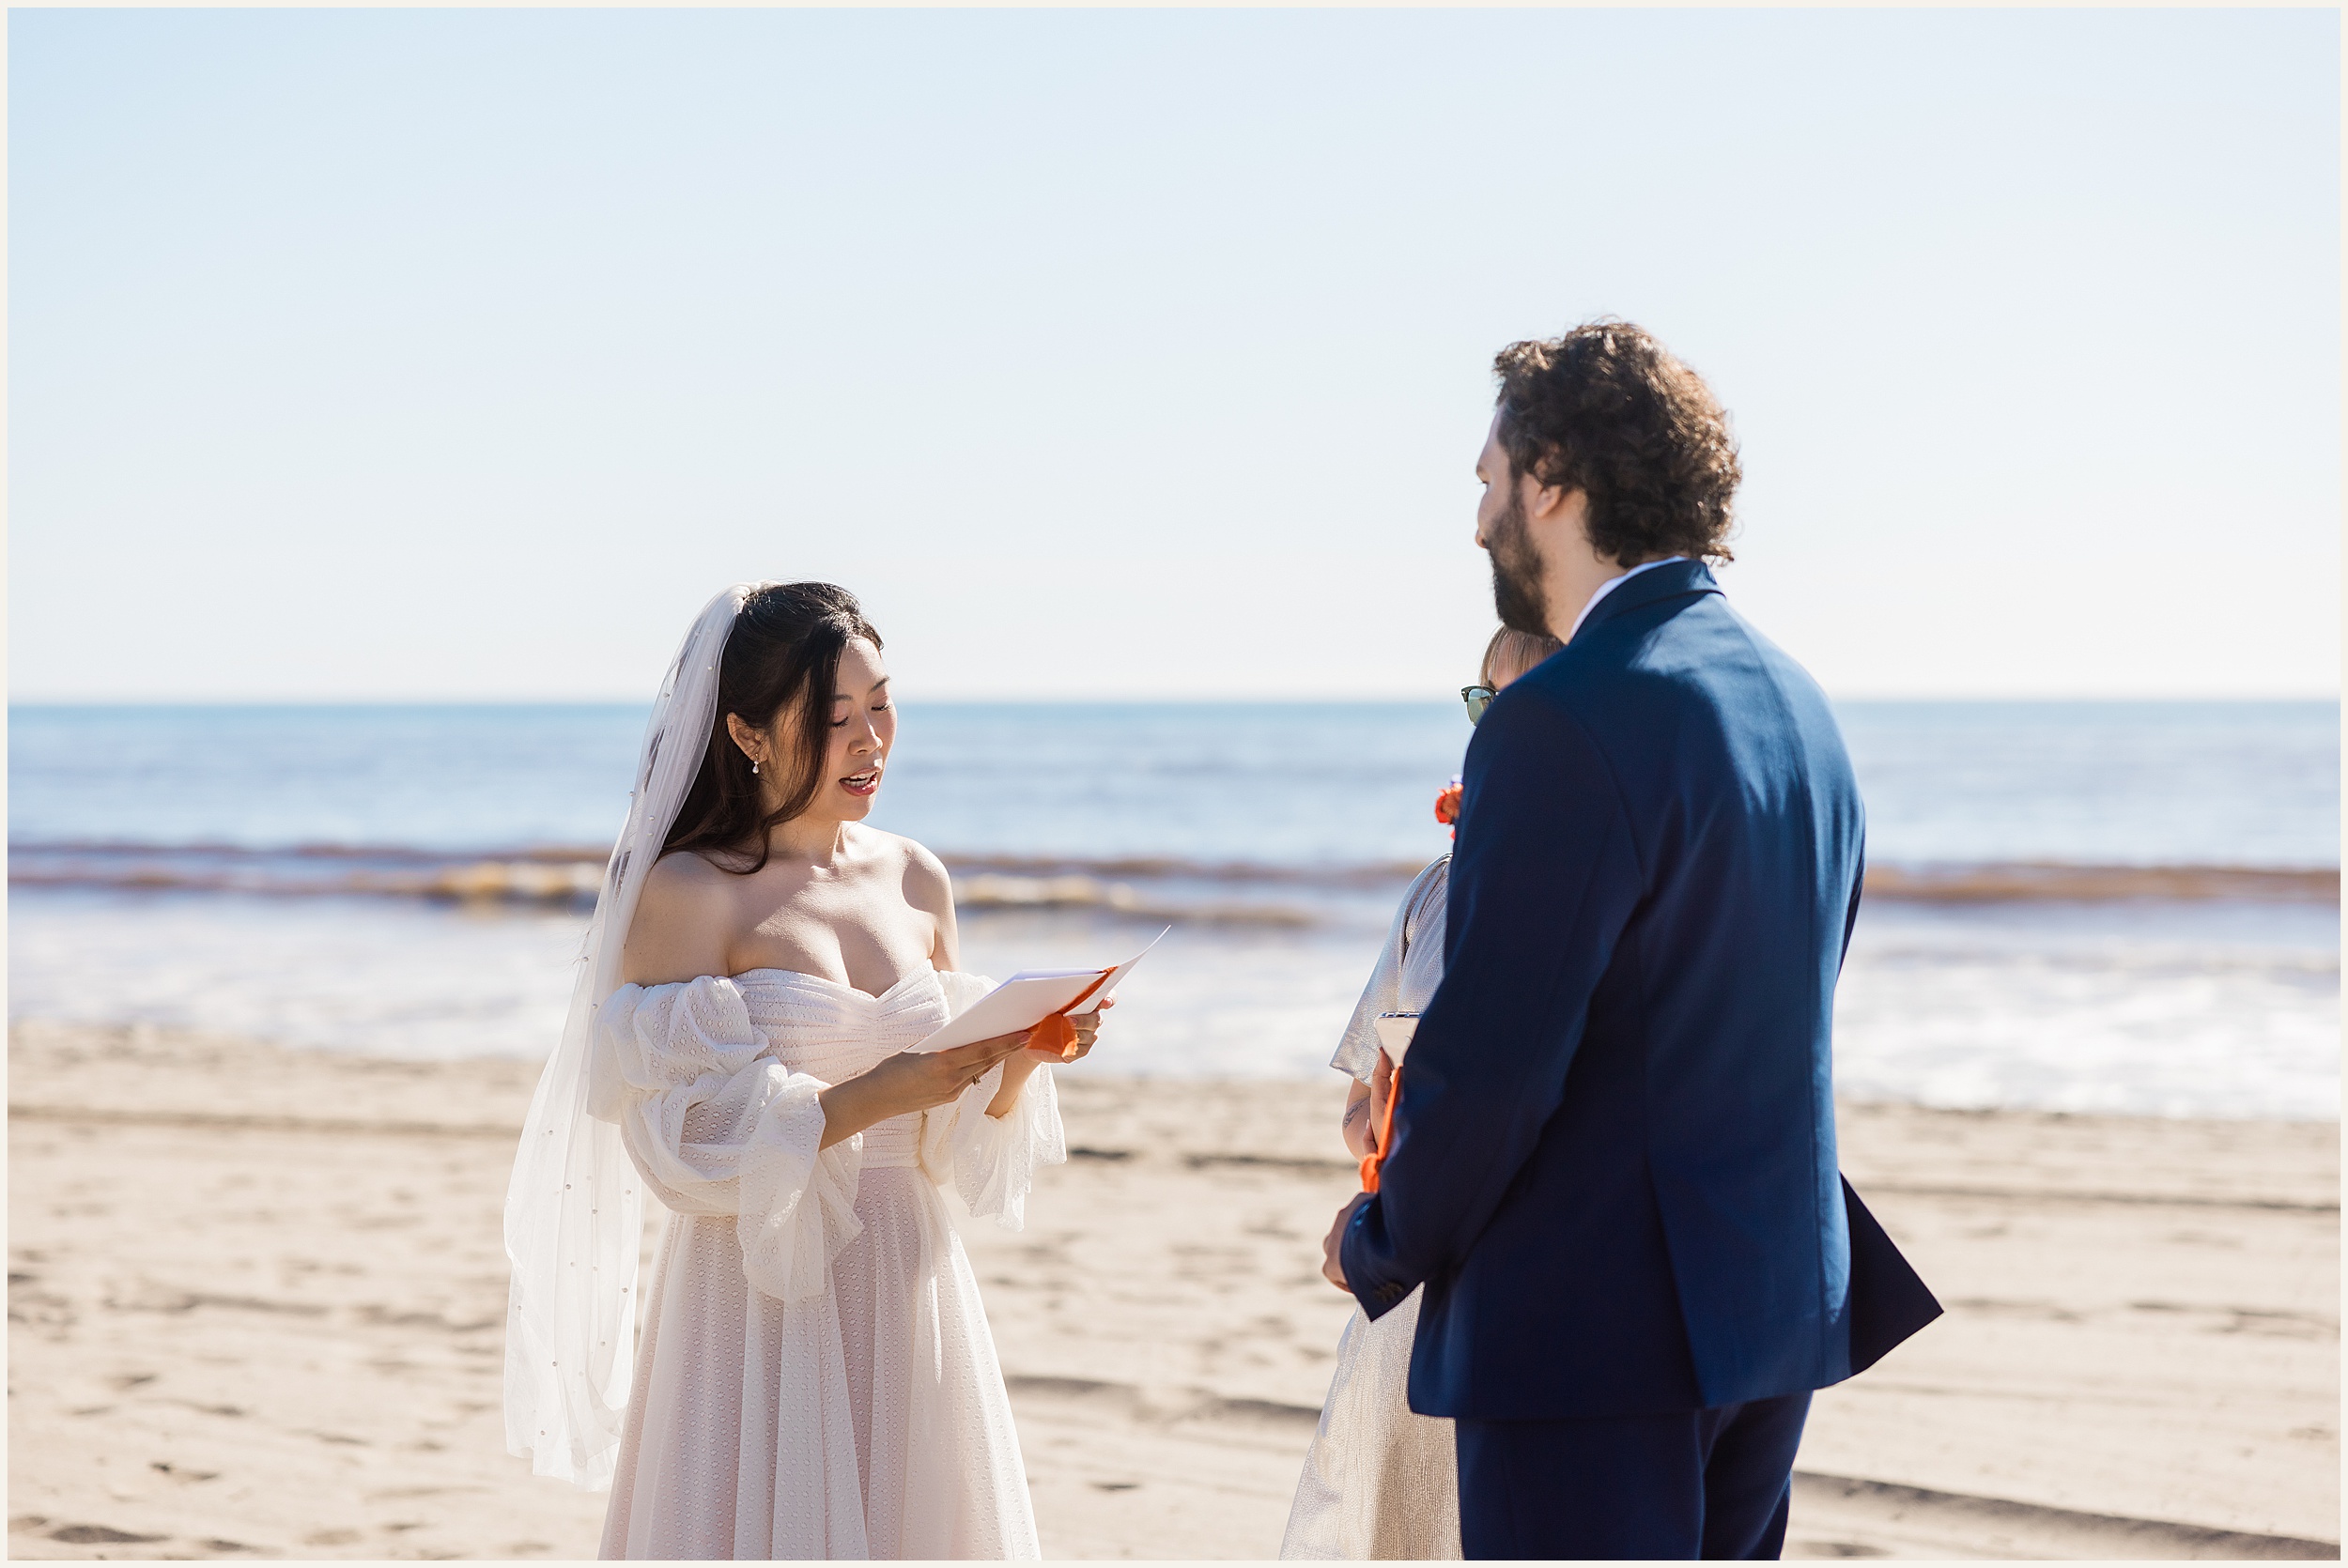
1332, 1249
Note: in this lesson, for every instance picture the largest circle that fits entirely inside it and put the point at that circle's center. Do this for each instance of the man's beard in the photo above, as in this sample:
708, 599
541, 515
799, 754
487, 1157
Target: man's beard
1517, 573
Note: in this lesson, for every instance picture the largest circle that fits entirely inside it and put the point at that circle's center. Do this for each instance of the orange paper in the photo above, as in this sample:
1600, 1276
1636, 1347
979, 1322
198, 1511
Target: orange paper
1377, 1157
1056, 1033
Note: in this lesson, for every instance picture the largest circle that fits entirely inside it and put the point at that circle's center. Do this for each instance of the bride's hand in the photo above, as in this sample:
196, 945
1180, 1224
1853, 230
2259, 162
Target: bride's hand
1088, 1027
917, 1080
910, 1081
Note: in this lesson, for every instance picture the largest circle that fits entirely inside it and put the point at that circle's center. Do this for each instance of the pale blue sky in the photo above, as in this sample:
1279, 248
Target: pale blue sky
464, 354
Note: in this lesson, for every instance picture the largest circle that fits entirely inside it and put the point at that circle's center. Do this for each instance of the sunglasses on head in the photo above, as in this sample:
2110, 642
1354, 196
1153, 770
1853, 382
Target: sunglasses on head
1477, 698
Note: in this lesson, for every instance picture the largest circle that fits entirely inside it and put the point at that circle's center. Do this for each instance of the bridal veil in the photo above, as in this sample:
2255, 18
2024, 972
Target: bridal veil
574, 1211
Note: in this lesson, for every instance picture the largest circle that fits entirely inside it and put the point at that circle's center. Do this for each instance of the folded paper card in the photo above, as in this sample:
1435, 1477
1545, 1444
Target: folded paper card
1034, 997
1394, 1037
1394, 1033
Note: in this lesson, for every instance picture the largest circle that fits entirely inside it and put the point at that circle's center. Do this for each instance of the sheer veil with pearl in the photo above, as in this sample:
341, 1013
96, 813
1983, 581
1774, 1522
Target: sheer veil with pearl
574, 1210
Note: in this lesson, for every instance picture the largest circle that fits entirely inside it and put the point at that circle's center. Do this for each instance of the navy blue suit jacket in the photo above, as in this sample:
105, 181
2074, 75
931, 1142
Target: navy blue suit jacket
1614, 1163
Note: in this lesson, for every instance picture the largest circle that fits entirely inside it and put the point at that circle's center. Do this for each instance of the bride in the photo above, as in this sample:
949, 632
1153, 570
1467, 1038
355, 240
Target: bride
815, 1378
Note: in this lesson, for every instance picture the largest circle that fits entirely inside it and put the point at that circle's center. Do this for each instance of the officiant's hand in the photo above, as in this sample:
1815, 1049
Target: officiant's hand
1332, 1247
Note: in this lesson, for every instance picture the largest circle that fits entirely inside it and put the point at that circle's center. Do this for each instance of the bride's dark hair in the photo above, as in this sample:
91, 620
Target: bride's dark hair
782, 653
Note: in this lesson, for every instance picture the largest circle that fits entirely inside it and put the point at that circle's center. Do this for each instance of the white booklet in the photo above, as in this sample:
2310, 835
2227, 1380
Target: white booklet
1394, 1033
1030, 997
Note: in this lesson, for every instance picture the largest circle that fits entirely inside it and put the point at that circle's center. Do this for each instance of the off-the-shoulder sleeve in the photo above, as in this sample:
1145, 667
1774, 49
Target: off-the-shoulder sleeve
1357, 1047
992, 1160
715, 1127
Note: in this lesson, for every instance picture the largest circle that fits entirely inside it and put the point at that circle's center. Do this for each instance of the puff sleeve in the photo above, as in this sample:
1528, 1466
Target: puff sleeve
992, 1160
717, 1127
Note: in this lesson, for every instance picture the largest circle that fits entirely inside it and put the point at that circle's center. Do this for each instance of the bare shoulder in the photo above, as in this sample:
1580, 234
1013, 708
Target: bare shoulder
927, 886
682, 879
684, 922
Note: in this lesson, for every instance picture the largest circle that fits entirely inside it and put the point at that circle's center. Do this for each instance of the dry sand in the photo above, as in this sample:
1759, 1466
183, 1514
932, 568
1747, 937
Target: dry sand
257, 1302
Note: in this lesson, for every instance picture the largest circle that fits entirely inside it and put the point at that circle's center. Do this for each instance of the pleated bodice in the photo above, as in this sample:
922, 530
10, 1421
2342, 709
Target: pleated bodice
833, 1032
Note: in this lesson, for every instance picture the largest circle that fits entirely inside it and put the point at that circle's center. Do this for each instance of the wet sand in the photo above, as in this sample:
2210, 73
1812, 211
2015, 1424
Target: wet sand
257, 1302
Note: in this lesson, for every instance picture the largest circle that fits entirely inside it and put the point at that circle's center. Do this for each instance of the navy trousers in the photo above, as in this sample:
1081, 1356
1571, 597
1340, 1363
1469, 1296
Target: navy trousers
1714, 1484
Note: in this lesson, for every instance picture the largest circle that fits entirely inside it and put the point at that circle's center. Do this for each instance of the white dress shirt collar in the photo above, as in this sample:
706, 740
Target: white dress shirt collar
1611, 583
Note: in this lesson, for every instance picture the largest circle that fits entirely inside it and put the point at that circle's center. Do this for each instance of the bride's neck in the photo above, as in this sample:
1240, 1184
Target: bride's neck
809, 840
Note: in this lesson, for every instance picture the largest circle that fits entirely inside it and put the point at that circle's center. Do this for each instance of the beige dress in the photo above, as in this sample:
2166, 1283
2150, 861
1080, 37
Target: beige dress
1381, 1482
815, 1378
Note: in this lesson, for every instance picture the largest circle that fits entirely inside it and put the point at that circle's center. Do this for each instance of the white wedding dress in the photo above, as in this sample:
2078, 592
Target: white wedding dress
1381, 1482
815, 1377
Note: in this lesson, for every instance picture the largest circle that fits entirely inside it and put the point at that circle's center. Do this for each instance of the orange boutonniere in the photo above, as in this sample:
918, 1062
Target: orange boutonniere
1447, 805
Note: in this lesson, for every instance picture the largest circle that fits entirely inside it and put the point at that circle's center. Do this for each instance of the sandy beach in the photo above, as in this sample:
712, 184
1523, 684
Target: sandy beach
256, 1302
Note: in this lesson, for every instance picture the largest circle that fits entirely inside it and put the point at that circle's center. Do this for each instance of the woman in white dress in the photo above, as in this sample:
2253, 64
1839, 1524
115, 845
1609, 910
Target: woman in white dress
815, 1376
1381, 1482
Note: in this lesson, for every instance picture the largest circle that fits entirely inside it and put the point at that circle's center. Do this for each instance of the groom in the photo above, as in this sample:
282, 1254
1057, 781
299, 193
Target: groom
1614, 1163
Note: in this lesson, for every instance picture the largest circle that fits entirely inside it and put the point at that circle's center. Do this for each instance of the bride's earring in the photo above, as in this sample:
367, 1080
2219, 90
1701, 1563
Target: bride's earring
753, 764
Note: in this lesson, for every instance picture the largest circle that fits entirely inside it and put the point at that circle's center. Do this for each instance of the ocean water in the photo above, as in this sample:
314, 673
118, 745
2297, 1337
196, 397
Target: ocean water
2126, 907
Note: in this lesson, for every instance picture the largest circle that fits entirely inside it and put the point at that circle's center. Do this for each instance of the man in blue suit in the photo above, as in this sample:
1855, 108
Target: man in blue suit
1613, 1163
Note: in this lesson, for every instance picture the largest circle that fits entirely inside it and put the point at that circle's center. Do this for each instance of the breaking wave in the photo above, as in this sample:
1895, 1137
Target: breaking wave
1168, 889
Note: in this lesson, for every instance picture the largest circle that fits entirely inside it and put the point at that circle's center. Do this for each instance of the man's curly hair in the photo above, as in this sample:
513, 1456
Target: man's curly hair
1607, 410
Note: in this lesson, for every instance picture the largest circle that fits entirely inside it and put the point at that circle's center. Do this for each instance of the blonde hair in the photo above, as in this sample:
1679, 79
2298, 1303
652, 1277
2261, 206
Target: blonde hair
1514, 651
